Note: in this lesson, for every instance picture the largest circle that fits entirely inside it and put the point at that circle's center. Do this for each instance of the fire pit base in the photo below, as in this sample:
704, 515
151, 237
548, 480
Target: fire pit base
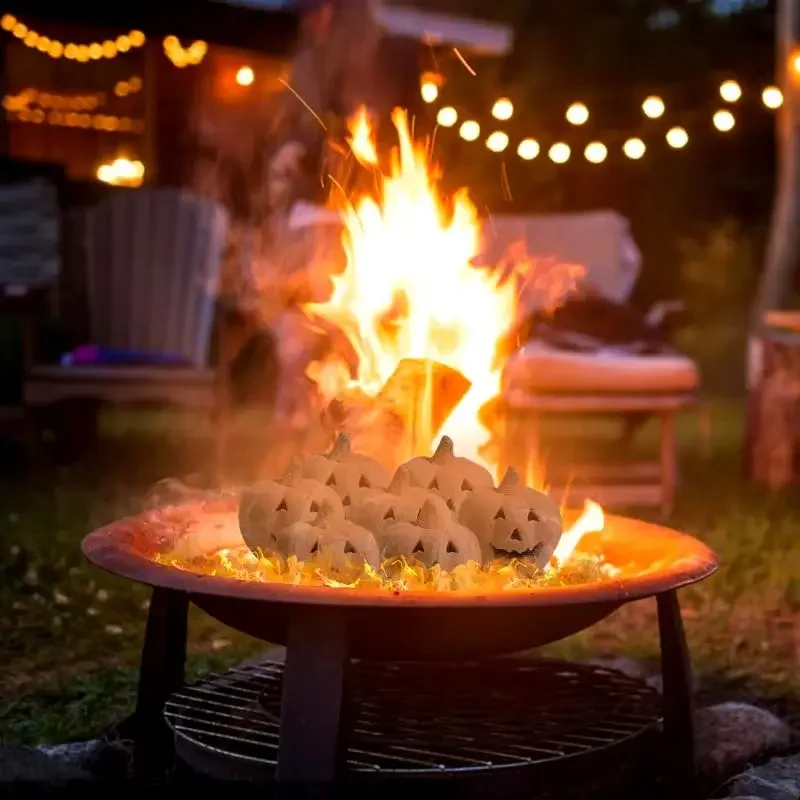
491, 726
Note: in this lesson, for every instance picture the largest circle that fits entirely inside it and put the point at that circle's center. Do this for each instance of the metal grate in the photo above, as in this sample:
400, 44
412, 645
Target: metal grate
424, 720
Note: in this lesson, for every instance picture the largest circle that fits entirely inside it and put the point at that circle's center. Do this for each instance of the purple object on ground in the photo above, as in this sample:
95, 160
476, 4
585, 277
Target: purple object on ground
93, 355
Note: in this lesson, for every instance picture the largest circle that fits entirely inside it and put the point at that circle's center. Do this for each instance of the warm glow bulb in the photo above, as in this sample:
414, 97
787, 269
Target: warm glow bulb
772, 97
677, 138
95, 51
528, 149
497, 141
447, 117
634, 148
653, 107
559, 153
123, 44
577, 114
55, 50
730, 91
20, 30
109, 49
245, 76
724, 121
105, 173
8, 22
502, 109
595, 152
429, 91
469, 130
136, 38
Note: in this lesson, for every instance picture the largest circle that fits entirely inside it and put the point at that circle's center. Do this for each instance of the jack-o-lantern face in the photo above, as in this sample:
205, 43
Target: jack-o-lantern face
344, 471
330, 540
270, 506
400, 502
430, 543
447, 475
513, 521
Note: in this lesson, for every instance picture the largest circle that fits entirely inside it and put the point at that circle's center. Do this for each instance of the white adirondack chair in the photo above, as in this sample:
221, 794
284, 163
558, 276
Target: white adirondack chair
153, 264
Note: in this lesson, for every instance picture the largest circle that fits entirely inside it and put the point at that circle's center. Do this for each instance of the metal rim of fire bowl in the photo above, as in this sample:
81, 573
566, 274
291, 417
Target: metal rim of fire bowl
681, 560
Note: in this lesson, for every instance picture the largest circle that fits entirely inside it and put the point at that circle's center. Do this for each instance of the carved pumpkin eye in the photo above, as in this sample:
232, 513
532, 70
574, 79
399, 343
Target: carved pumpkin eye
389, 514
282, 505
363, 482
451, 548
419, 547
331, 481
450, 504
314, 507
315, 548
274, 539
515, 536
500, 514
434, 484
348, 547
466, 486
533, 516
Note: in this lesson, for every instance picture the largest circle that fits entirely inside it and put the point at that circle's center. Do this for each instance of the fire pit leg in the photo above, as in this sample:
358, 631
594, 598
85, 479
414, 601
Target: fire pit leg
161, 673
312, 747
680, 767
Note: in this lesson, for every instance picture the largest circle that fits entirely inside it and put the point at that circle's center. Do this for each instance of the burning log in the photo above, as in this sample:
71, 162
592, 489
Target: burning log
405, 416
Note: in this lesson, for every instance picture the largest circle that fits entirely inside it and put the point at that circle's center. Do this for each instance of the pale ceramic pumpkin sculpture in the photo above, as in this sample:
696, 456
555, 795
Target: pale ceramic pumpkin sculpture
429, 542
270, 506
330, 539
400, 502
448, 475
345, 471
513, 521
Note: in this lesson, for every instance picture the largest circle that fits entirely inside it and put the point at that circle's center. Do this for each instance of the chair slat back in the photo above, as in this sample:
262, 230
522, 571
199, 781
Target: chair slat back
153, 258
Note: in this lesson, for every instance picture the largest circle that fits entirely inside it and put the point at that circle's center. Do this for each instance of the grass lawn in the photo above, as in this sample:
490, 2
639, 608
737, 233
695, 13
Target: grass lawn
70, 635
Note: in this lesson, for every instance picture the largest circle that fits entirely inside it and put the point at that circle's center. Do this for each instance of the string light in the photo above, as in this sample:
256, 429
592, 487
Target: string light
73, 117
182, 56
469, 130
577, 114
730, 91
245, 76
50, 100
447, 117
429, 91
772, 97
724, 121
131, 86
502, 109
121, 172
653, 107
595, 152
677, 138
559, 153
528, 149
54, 48
634, 149
497, 141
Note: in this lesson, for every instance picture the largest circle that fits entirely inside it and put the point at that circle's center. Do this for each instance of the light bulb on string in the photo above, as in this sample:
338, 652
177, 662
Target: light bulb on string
730, 91
497, 141
772, 97
677, 138
245, 76
724, 121
502, 109
429, 91
634, 149
595, 152
559, 153
577, 114
528, 149
469, 130
653, 107
447, 117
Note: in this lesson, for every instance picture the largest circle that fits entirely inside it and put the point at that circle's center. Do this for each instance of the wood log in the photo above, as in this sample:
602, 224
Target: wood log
405, 416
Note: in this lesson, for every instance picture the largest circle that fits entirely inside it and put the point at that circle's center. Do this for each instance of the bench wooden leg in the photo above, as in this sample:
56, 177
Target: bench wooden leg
668, 456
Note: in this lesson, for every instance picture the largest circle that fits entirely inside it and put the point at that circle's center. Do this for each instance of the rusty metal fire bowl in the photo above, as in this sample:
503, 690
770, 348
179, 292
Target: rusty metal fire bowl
416, 625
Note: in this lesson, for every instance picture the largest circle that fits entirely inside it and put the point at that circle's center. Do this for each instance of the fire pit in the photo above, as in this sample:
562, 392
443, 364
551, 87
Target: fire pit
324, 628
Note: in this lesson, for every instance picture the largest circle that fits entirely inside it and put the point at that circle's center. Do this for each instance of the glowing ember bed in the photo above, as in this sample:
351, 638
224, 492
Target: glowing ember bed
324, 627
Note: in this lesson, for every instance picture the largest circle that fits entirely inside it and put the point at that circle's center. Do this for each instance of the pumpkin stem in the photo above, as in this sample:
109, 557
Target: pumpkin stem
510, 479
341, 448
444, 450
400, 481
428, 516
293, 472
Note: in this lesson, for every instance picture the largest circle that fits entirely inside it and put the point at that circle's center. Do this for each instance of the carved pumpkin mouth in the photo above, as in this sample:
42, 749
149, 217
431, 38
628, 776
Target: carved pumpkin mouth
531, 552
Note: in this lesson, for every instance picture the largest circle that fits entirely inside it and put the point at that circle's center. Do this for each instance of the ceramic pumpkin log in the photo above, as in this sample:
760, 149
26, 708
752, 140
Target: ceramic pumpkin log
400, 502
270, 506
428, 542
448, 475
513, 521
345, 471
331, 538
